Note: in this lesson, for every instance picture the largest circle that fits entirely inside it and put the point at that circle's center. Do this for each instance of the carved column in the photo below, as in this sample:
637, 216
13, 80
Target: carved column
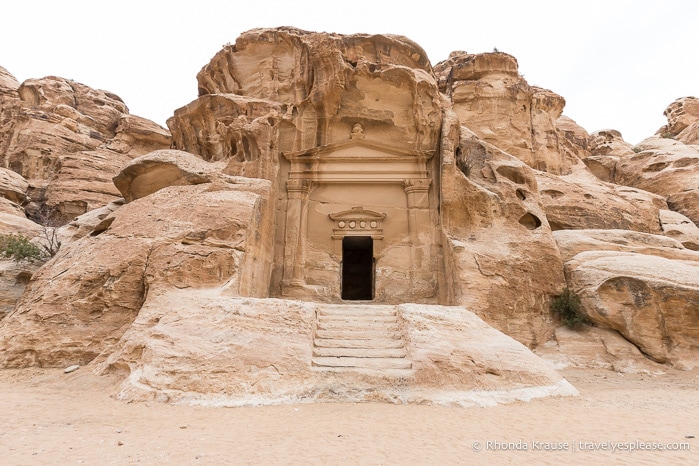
296, 226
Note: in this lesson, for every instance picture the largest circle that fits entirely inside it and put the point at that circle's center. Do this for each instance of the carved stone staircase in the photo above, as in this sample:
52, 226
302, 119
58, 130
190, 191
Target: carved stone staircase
360, 337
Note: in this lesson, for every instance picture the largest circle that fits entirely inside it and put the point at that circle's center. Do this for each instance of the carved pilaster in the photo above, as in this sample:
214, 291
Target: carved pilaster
296, 226
417, 190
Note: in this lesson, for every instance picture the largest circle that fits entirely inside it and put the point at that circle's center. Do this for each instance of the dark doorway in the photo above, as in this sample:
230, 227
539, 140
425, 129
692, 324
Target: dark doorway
357, 268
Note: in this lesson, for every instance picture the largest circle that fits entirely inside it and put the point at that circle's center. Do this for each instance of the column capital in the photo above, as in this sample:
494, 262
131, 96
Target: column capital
416, 185
299, 186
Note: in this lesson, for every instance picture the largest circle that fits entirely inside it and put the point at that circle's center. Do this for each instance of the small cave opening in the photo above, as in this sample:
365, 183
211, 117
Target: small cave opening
530, 221
513, 174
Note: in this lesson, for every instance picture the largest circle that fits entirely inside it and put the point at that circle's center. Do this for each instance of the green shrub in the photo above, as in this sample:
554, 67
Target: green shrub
18, 248
568, 308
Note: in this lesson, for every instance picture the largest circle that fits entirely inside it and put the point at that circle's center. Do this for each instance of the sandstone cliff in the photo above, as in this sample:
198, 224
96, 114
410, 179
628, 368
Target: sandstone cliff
447, 191
68, 140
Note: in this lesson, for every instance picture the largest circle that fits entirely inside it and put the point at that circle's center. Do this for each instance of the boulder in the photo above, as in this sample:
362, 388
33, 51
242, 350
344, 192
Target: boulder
646, 287
151, 172
596, 348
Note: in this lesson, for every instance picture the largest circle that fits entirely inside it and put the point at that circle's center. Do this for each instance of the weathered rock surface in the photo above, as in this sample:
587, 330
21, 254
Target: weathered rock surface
666, 167
677, 226
14, 277
595, 348
682, 120
580, 201
495, 102
8, 83
646, 287
319, 85
68, 140
502, 260
606, 148
241, 131
160, 169
205, 348
82, 301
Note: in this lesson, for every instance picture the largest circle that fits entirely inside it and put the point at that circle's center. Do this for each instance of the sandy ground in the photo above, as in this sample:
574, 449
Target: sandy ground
48, 417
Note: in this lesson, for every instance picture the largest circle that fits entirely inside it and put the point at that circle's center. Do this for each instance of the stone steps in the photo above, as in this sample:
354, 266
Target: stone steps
354, 312
360, 337
343, 318
340, 352
363, 363
357, 334
359, 343
354, 325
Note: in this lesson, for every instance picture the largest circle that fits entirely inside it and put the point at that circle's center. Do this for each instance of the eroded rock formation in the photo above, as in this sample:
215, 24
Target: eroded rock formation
68, 140
646, 287
495, 102
344, 171
501, 279
179, 237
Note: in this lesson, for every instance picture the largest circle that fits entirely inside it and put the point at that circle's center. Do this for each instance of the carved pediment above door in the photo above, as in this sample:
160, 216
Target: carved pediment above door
358, 221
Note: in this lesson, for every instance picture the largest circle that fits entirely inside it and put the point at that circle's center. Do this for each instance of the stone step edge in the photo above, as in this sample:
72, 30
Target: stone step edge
359, 343
369, 363
341, 352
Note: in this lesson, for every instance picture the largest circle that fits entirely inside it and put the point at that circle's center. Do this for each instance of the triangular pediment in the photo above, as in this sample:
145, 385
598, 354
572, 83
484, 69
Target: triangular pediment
357, 213
358, 149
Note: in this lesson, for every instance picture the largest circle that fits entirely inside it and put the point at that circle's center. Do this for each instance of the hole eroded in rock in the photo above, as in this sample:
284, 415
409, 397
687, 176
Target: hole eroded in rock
530, 221
655, 167
513, 174
552, 193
